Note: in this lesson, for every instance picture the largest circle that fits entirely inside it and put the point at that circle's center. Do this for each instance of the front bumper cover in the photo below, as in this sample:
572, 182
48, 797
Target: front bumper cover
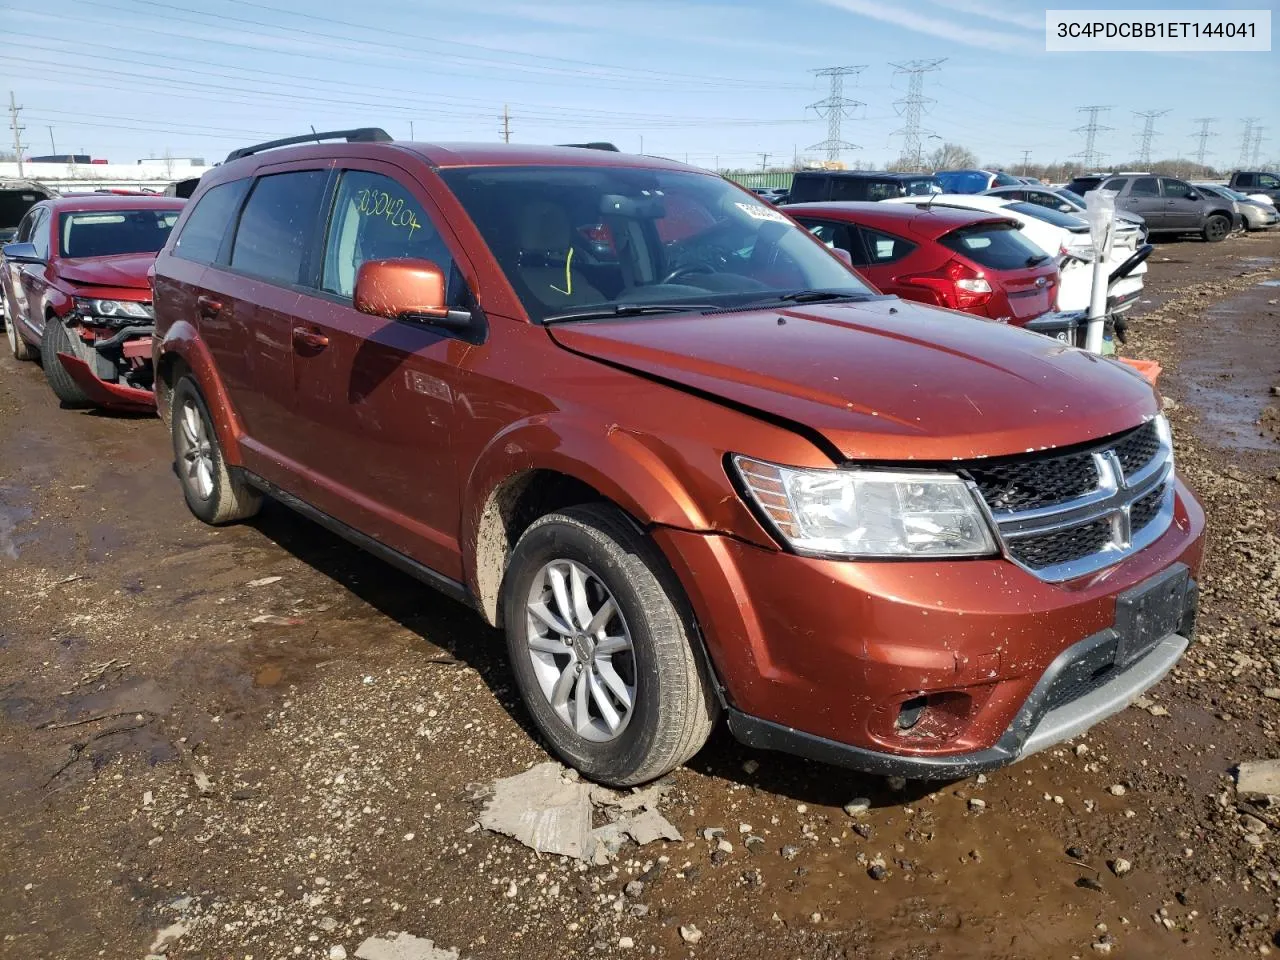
112, 396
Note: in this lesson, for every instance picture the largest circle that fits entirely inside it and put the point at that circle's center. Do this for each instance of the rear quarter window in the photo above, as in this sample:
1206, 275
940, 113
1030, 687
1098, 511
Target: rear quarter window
202, 234
884, 247
996, 246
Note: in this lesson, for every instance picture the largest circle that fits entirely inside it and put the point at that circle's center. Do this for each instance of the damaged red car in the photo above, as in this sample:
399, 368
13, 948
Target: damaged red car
77, 294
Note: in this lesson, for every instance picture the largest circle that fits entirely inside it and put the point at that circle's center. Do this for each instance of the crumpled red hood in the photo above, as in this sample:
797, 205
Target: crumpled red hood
125, 270
884, 379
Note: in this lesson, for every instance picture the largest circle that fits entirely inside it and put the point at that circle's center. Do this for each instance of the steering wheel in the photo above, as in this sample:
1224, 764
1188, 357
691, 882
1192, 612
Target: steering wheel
688, 269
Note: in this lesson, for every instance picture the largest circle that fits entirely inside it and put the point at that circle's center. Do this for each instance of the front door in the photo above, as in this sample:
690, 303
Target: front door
29, 280
377, 398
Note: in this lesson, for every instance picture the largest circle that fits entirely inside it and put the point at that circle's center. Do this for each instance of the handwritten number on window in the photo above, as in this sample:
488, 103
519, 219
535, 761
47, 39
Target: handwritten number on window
379, 203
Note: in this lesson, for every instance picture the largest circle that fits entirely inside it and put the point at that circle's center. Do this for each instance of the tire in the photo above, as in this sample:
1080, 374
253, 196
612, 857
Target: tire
672, 706
1216, 228
18, 347
57, 339
213, 493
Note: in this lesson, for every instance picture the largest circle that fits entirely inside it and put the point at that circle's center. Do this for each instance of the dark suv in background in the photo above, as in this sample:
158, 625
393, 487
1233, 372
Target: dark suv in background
820, 186
1169, 205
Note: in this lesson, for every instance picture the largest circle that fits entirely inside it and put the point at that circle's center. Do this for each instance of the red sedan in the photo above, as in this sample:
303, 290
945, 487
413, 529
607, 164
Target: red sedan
76, 292
963, 259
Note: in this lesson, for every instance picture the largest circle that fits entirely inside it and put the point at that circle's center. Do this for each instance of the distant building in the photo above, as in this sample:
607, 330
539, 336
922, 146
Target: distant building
63, 158
174, 161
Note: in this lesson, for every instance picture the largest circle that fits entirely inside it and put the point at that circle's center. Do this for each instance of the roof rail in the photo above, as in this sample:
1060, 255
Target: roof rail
357, 135
597, 145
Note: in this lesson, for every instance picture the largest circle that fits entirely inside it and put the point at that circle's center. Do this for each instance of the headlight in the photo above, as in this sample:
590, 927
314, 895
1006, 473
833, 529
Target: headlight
115, 309
868, 513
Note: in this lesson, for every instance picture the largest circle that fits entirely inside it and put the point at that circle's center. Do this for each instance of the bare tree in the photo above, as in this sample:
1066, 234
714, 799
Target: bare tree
951, 156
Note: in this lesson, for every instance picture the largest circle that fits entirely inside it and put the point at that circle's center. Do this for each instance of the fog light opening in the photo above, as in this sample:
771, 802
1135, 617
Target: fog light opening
910, 712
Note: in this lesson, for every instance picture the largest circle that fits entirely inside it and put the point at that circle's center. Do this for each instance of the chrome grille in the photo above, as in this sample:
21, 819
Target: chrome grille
1066, 515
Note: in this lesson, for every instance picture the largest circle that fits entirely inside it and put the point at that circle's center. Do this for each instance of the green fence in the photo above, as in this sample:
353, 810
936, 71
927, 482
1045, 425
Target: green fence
755, 180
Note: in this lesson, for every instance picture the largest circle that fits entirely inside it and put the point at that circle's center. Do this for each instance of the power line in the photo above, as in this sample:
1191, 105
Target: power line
1257, 145
14, 110
1203, 148
1026, 161
912, 106
1148, 134
1090, 156
1246, 142
835, 108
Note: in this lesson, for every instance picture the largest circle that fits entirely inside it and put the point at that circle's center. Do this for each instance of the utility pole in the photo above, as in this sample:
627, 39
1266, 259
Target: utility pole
1026, 161
1090, 156
764, 162
912, 106
14, 110
1203, 149
1246, 142
834, 109
506, 124
411, 130
1147, 134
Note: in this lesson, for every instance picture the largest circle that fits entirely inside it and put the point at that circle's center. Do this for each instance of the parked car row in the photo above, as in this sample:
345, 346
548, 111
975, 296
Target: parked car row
668, 441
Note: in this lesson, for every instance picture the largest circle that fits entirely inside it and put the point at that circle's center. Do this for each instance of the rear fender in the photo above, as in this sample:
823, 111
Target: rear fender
181, 342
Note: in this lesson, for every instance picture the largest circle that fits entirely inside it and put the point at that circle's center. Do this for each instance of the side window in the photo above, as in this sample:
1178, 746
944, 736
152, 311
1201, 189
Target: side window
1042, 199
1145, 187
805, 188
202, 234
24, 228
1245, 179
278, 222
375, 218
1117, 184
40, 233
1266, 181
846, 188
838, 235
1175, 188
884, 247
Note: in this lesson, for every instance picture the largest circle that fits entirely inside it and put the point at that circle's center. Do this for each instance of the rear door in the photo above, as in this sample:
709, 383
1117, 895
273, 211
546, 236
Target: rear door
250, 305
1144, 199
1181, 212
378, 398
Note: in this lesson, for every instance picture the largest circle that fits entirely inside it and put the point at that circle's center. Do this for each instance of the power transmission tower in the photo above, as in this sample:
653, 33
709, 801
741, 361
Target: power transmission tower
1148, 133
1257, 145
14, 110
1090, 156
1246, 142
1026, 161
1203, 149
834, 109
506, 124
911, 107
764, 162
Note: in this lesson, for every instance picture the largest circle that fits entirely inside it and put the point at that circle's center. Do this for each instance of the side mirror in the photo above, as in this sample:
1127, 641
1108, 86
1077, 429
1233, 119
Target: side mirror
22, 253
844, 255
1065, 208
406, 290
1193, 195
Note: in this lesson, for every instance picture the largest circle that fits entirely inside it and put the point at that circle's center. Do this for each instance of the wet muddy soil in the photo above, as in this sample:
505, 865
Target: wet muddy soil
268, 737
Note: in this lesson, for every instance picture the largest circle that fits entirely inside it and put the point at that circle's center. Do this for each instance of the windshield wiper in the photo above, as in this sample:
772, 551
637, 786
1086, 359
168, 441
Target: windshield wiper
1036, 258
627, 310
811, 296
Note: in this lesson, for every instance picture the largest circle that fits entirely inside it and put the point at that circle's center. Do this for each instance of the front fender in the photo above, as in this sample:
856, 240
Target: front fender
182, 342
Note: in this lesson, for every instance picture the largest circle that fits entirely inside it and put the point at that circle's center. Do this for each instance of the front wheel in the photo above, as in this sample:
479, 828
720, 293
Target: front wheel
58, 339
213, 493
1216, 228
600, 644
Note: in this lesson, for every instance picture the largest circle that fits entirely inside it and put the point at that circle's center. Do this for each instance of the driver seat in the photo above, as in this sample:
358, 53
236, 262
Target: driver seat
545, 258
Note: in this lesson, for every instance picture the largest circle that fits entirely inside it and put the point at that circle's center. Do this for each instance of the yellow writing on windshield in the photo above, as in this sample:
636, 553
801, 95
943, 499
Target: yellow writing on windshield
395, 210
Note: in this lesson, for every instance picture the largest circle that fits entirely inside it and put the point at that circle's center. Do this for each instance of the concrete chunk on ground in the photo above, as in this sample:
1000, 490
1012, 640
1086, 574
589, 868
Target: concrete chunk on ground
543, 811
405, 946
1258, 779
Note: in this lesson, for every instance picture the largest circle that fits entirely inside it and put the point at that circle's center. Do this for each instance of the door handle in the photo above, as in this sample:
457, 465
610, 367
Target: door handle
311, 339
208, 306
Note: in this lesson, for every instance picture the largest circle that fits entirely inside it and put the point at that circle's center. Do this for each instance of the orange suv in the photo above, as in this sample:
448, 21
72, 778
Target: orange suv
678, 450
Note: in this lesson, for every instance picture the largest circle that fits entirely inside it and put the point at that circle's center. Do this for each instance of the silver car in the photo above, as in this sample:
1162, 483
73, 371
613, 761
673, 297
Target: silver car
1061, 199
1255, 214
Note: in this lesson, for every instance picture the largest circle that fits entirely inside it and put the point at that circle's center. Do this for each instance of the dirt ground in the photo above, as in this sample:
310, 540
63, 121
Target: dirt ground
267, 737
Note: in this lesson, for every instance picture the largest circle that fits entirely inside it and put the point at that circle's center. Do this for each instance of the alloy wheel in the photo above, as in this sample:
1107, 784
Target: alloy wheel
581, 650
196, 452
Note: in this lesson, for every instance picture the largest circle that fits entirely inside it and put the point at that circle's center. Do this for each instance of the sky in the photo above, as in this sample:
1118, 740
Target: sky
711, 81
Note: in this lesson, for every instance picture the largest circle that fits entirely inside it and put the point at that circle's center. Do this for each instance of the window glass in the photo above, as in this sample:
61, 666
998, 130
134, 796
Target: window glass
883, 189
884, 247
202, 234
24, 228
963, 181
837, 235
1175, 188
108, 233
849, 188
1267, 181
997, 246
1145, 187
277, 223
1115, 183
807, 187
1005, 179
1068, 221
375, 218
569, 238
922, 187
40, 234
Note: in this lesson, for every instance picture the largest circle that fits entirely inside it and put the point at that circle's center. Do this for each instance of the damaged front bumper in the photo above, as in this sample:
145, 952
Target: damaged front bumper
126, 352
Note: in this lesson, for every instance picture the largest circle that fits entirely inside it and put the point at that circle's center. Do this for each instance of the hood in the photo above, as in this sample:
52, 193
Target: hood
124, 270
885, 379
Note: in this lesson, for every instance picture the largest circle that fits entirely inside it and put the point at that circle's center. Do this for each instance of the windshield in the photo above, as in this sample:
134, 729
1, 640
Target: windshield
1068, 221
997, 246
963, 181
107, 233
1072, 198
575, 239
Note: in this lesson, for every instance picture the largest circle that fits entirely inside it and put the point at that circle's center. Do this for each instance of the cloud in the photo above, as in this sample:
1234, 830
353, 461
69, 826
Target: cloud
935, 27
992, 11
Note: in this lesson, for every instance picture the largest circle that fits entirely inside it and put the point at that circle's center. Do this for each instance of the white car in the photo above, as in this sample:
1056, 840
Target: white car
1064, 236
